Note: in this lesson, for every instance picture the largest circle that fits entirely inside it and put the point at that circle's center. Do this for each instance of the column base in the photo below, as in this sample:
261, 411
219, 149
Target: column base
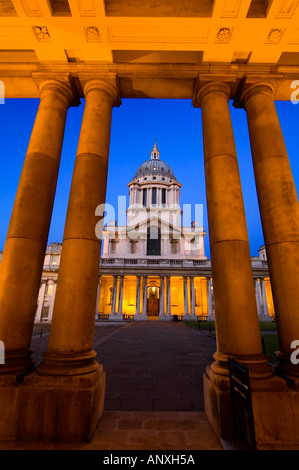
18, 363
217, 402
275, 410
52, 408
165, 317
116, 317
142, 317
288, 371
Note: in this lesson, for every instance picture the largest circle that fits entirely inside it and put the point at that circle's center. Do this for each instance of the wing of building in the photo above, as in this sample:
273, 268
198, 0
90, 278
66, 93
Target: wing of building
154, 267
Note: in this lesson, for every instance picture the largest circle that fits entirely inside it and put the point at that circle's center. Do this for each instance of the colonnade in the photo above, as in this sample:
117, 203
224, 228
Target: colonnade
185, 309
69, 368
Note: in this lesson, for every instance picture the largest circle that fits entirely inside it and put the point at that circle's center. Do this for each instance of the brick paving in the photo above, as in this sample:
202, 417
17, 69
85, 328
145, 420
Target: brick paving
150, 366
154, 398
155, 366
138, 430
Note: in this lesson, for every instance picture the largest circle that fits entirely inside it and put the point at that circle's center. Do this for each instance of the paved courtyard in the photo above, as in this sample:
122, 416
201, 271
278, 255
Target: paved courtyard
154, 397
155, 366
150, 366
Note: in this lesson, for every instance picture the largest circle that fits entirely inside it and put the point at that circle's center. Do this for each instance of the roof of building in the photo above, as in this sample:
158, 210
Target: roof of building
155, 166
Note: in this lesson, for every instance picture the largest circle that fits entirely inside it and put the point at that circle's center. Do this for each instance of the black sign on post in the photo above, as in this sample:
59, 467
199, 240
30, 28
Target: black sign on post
241, 404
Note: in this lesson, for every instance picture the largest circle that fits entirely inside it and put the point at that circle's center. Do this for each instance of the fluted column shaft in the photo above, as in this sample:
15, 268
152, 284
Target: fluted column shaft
192, 297
121, 296
137, 311
114, 293
144, 307
71, 342
186, 309
237, 327
161, 300
24, 251
279, 209
168, 288
210, 298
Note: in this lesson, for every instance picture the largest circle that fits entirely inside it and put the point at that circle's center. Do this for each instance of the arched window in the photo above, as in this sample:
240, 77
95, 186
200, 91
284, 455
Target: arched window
153, 241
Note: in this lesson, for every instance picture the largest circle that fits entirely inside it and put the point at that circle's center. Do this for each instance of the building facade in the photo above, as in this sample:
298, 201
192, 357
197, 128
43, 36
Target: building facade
210, 53
154, 267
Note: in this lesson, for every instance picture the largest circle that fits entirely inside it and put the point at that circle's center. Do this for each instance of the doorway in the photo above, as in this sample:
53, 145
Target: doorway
153, 296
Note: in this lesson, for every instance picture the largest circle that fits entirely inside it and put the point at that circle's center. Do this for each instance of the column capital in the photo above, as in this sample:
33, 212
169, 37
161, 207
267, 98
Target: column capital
108, 85
61, 83
265, 88
56, 86
215, 86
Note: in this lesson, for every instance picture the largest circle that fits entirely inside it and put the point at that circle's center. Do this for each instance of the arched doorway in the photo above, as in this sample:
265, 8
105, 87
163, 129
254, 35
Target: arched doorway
153, 296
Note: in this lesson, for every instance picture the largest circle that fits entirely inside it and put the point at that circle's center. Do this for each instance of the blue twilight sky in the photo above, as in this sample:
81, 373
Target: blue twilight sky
135, 124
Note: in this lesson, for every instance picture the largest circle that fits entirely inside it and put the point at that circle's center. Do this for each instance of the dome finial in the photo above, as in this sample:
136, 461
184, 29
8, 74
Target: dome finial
155, 154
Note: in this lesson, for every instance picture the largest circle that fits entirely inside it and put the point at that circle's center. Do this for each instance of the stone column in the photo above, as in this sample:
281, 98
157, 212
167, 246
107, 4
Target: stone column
237, 327
80, 257
144, 308
52, 301
192, 293
113, 315
69, 367
97, 300
25, 246
258, 298
161, 301
186, 309
279, 210
168, 304
264, 298
137, 311
41, 296
210, 299
120, 298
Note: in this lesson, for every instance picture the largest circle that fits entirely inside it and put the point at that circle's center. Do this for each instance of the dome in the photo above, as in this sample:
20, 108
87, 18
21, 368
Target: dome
155, 166
152, 167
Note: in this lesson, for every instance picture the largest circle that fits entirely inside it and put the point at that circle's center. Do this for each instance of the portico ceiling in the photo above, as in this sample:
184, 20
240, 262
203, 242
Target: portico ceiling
157, 48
